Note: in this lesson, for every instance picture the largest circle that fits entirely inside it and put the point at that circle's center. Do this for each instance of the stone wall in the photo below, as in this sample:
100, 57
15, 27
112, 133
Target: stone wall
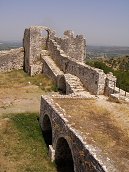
33, 45
68, 53
93, 79
11, 59
74, 47
34, 42
47, 71
110, 84
26, 45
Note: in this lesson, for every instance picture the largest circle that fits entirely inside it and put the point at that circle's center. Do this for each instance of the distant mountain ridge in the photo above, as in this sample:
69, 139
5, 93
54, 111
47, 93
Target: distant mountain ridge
106, 51
93, 51
4, 45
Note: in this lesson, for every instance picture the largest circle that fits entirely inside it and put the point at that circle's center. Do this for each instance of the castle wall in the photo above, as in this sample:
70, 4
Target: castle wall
26, 45
68, 53
110, 84
34, 42
49, 72
11, 59
93, 79
74, 47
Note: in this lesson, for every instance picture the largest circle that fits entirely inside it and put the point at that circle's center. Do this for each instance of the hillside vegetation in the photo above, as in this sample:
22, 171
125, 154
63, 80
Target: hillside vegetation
22, 145
118, 66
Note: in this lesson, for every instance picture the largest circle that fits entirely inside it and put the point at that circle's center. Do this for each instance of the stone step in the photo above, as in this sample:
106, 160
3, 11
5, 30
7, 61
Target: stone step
78, 88
74, 83
45, 53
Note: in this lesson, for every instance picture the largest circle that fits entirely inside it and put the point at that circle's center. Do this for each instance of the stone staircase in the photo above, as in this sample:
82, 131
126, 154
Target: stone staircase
74, 83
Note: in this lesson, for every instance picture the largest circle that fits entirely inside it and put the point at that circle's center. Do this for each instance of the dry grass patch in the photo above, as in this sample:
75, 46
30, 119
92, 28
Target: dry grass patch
18, 78
21, 93
99, 125
22, 148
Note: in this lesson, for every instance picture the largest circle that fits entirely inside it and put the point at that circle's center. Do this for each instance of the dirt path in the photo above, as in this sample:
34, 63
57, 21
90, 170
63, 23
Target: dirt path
12, 146
23, 99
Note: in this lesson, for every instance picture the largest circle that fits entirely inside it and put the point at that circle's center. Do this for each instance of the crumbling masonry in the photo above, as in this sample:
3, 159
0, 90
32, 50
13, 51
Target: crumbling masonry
62, 59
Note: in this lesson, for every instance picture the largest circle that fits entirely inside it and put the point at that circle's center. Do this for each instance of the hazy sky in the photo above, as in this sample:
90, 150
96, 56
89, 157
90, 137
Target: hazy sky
103, 22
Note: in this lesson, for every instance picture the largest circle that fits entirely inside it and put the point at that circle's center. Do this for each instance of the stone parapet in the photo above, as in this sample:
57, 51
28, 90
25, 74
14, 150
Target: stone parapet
74, 47
11, 59
92, 79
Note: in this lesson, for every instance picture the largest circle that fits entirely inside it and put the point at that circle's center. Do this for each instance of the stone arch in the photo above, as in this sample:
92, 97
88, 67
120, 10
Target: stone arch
63, 156
61, 84
47, 130
45, 34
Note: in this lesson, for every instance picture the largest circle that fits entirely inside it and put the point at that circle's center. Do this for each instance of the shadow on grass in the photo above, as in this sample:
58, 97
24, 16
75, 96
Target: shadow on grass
47, 135
31, 145
34, 139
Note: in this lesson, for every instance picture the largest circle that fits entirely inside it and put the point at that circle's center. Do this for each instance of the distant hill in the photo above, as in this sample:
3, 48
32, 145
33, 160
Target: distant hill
120, 63
9, 45
106, 51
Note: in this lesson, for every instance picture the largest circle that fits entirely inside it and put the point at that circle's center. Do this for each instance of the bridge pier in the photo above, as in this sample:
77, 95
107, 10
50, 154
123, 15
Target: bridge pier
51, 153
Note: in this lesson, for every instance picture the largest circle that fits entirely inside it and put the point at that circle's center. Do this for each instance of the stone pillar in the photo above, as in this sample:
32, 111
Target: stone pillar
110, 84
110, 80
51, 153
34, 42
76, 46
26, 45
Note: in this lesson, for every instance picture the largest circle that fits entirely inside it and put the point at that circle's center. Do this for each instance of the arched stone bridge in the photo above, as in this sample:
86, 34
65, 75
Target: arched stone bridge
66, 146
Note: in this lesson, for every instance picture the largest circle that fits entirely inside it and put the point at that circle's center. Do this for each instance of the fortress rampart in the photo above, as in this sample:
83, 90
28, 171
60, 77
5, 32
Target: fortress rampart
68, 53
74, 47
92, 79
62, 59
57, 57
12, 59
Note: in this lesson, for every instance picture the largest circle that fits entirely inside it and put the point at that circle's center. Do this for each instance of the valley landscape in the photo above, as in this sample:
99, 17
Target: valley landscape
106, 51
7, 45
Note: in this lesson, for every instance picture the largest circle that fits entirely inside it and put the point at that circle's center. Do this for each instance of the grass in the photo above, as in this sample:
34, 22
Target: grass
103, 125
99, 121
18, 78
22, 146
